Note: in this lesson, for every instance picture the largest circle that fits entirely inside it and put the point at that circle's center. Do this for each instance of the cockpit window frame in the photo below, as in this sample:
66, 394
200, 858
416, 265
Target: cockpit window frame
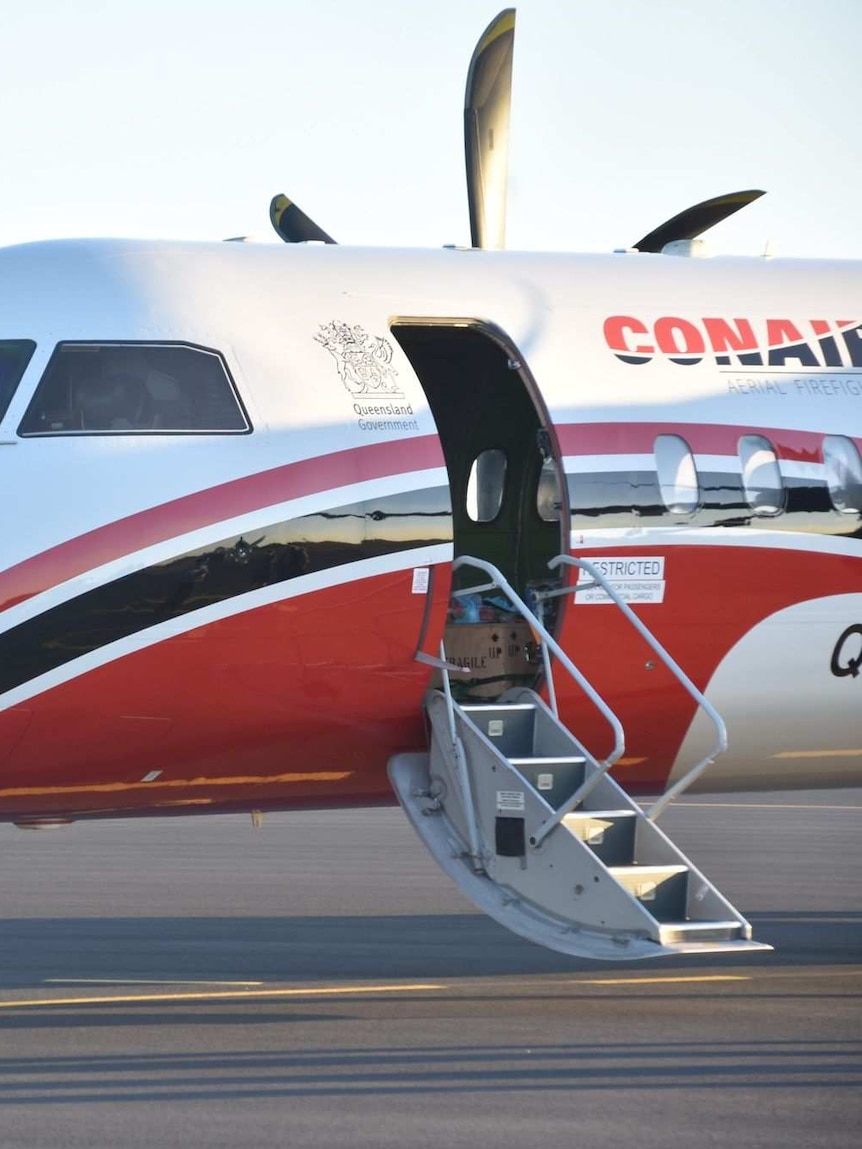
125, 432
24, 344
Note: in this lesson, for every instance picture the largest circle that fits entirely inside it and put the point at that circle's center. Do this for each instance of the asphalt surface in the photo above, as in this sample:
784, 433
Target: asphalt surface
317, 982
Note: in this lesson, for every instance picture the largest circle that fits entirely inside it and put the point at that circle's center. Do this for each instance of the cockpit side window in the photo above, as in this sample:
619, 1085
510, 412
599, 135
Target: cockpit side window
15, 354
134, 388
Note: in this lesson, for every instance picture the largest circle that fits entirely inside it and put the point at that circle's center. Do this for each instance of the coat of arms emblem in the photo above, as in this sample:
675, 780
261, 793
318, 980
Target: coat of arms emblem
364, 361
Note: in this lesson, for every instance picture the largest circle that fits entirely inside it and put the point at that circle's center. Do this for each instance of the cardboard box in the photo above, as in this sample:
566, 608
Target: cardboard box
499, 655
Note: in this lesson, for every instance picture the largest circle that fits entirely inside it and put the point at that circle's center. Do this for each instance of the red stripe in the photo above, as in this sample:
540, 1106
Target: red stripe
226, 705
703, 438
168, 520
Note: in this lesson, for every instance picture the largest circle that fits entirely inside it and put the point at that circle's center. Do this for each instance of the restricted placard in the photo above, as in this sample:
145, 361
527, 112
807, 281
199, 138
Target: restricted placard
635, 578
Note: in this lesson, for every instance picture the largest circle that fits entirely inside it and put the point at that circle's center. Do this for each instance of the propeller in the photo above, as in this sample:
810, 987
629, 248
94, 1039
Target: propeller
292, 224
695, 220
487, 103
487, 107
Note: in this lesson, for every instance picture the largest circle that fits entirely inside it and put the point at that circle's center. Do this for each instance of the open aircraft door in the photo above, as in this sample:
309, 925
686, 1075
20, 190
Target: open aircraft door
505, 478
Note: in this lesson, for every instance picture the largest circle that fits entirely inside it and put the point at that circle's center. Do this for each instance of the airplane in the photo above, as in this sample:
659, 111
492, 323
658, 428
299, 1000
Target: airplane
512, 539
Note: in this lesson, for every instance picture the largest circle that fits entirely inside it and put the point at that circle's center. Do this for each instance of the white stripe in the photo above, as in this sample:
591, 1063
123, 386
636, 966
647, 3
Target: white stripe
304, 584
243, 524
796, 469
723, 464
595, 464
715, 537
789, 468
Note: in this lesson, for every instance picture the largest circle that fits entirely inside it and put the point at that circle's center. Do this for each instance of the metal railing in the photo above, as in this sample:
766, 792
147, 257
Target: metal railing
460, 756
549, 647
548, 643
598, 580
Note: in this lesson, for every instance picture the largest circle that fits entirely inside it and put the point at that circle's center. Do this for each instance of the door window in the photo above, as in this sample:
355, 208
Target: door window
548, 498
486, 485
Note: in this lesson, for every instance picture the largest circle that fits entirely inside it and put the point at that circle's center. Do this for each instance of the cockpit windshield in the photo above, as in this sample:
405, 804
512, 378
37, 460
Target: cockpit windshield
14, 357
134, 388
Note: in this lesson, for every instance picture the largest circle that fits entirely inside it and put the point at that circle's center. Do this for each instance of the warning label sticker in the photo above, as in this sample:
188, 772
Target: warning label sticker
511, 800
420, 580
635, 578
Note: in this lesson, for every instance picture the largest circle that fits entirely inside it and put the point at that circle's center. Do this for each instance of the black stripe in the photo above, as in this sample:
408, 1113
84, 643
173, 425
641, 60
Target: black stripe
626, 499
232, 567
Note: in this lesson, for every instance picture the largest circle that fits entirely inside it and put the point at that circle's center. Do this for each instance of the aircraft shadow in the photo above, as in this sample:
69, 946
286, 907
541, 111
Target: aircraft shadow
308, 1074
64, 951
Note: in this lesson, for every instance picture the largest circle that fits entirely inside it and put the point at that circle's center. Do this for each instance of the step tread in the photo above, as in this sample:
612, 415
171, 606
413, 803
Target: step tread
586, 815
693, 927
557, 760
485, 708
646, 871
727, 945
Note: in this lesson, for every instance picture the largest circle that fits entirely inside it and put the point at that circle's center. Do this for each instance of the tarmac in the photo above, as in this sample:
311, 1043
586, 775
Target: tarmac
318, 982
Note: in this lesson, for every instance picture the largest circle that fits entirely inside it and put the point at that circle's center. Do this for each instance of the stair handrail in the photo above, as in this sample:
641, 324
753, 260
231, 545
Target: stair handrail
599, 579
549, 643
457, 748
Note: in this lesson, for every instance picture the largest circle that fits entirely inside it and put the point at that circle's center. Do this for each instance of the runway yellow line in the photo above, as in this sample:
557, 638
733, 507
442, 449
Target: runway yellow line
853, 752
759, 806
236, 995
144, 981
660, 980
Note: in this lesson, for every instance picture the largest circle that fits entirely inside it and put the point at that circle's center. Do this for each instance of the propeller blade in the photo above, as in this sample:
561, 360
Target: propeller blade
695, 220
487, 104
292, 224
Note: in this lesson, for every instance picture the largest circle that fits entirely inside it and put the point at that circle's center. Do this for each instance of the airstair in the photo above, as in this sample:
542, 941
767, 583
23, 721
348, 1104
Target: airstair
535, 831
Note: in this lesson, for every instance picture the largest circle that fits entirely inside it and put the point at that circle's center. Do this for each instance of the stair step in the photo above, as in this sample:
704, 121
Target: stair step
510, 728
657, 873
499, 706
556, 779
709, 949
689, 931
556, 761
662, 890
610, 834
494, 710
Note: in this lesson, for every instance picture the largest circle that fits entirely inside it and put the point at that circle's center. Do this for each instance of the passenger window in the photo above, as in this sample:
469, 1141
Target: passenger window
485, 485
843, 474
127, 388
15, 354
761, 477
548, 500
677, 475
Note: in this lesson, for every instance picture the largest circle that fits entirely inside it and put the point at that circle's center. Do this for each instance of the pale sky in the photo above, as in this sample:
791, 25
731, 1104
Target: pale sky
182, 118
